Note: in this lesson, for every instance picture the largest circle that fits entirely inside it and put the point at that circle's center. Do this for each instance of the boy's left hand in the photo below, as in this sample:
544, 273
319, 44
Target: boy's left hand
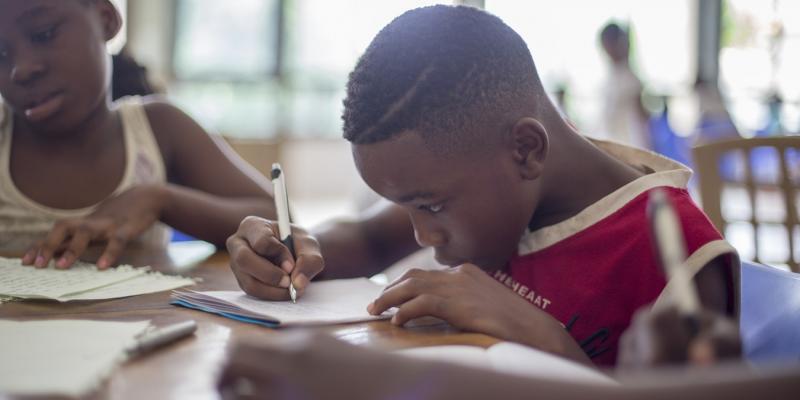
115, 222
469, 299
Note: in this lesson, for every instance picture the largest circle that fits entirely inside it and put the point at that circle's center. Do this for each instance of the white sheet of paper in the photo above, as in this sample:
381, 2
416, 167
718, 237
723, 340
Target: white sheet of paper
325, 302
62, 357
513, 358
142, 284
21, 281
83, 281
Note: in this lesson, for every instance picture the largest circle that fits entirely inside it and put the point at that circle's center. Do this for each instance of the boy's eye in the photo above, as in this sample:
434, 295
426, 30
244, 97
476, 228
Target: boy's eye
44, 36
432, 208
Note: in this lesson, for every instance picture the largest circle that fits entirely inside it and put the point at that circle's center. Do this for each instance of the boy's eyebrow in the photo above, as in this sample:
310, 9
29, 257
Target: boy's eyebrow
420, 195
33, 13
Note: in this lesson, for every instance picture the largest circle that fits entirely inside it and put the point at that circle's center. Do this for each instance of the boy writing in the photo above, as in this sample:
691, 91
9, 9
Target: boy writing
546, 230
77, 169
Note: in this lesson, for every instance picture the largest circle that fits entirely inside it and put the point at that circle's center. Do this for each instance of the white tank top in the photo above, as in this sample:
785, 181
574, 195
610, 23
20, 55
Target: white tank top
24, 221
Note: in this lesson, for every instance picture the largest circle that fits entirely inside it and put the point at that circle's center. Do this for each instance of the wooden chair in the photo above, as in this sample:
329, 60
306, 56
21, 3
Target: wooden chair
707, 160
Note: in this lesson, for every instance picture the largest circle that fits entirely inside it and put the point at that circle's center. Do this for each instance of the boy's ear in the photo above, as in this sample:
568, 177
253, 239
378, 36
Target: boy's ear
110, 18
530, 146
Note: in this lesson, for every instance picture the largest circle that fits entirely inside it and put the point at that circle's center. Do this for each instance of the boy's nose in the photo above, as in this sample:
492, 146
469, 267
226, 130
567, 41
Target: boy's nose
427, 237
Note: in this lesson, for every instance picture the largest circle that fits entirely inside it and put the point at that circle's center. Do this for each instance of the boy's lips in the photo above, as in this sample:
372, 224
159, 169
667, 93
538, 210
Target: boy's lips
45, 107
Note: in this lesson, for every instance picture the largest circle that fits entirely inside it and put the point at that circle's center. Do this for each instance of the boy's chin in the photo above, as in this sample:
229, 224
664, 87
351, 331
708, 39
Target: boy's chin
447, 260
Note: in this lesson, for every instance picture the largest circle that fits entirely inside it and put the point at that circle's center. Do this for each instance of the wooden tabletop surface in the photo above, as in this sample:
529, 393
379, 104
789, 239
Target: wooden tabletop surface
189, 368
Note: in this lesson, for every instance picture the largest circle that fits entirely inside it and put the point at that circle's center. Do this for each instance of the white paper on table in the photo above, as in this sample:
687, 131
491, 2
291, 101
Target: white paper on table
143, 284
21, 281
512, 358
62, 357
325, 302
82, 281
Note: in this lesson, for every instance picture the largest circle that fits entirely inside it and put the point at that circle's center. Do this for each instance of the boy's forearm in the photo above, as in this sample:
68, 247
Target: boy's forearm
206, 216
364, 246
347, 252
547, 334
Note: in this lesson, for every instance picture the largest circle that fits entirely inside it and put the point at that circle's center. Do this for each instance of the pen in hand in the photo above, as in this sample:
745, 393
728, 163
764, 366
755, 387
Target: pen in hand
284, 224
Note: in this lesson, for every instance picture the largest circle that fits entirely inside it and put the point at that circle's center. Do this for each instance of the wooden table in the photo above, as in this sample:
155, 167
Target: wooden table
188, 369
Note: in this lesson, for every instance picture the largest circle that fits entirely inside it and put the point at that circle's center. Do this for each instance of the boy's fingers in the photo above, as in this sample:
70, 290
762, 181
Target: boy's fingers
268, 246
80, 240
256, 288
420, 306
415, 273
308, 266
397, 295
243, 258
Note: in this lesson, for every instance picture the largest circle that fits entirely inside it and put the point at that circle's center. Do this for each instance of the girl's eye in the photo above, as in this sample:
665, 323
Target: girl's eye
44, 36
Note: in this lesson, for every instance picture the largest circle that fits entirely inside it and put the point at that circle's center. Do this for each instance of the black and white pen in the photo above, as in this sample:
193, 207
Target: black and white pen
284, 223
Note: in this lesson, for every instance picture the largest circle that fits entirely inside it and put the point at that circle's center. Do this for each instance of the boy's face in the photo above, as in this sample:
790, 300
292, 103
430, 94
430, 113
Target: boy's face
53, 60
469, 208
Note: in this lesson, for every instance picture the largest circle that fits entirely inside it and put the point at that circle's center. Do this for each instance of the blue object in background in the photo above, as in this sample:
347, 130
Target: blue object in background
666, 142
178, 236
769, 314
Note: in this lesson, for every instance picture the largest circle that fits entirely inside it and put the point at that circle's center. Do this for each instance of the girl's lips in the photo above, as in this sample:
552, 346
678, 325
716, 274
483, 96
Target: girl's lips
46, 108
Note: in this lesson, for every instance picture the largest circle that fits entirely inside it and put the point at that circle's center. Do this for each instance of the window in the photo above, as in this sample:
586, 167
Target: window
563, 39
759, 60
239, 74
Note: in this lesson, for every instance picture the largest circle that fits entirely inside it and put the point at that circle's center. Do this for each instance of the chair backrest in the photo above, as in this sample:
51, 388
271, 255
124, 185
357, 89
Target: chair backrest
769, 320
713, 166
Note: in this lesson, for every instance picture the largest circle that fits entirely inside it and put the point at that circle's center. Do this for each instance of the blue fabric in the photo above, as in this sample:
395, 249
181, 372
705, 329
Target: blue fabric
240, 318
770, 313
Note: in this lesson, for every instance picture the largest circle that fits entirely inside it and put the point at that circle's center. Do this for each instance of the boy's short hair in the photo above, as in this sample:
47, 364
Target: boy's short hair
444, 72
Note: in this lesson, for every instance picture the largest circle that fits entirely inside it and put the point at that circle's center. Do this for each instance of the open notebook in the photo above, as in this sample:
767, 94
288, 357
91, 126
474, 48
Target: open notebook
325, 302
83, 281
512, 358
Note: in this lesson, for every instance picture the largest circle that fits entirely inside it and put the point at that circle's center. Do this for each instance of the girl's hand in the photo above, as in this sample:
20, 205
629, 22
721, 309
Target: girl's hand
115, 222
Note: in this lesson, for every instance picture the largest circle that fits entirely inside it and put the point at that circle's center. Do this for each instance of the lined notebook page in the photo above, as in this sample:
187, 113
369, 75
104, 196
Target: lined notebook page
82, 281
49, 283
62, 357
151, 282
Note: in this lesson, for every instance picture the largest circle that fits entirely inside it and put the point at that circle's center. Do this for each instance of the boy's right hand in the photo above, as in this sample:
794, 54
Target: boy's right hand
263, 266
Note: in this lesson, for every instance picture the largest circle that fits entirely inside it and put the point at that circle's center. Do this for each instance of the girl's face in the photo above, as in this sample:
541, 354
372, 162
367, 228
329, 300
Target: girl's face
54, 68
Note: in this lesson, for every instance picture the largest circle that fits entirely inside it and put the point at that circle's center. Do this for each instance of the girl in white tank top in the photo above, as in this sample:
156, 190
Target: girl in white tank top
24, 221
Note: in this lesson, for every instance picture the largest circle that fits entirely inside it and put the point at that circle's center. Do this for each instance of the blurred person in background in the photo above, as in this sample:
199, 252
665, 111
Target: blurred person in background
624, 118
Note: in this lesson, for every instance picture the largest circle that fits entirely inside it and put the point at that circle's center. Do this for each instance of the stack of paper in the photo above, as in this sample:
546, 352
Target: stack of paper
327, 302
82, 281
513, 358
62, 357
